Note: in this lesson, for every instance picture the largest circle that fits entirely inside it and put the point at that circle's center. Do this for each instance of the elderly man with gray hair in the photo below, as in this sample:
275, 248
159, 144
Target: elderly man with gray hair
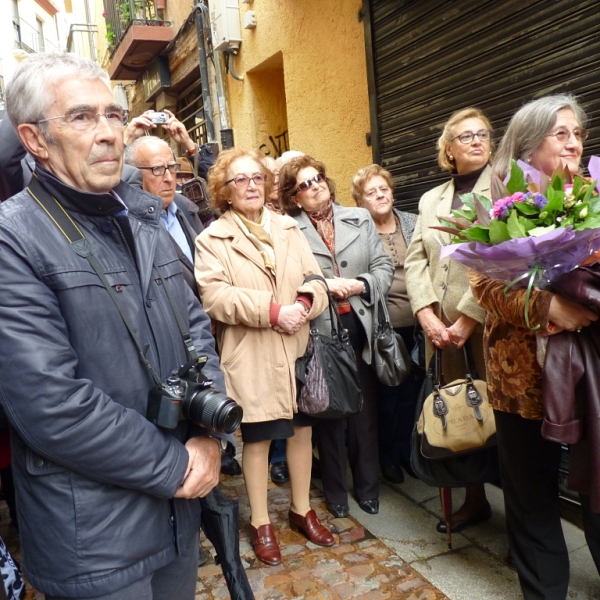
159, 168
95, 314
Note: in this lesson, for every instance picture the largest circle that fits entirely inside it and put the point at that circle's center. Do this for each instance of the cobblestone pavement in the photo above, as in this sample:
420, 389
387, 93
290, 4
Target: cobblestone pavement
358, 566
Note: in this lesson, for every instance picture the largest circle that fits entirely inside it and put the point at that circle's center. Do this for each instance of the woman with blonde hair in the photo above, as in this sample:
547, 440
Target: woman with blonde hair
250, 267
439, 291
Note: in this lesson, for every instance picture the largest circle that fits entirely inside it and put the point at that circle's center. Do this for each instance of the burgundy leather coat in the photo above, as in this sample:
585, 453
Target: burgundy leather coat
571, 386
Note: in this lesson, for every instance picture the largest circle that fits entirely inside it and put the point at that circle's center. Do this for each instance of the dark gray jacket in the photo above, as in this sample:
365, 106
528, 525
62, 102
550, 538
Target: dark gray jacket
94, 478
359, 253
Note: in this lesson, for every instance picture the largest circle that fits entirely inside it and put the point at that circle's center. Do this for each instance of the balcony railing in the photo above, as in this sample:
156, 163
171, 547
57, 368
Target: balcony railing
135, 35
83, 40
28, 38
120, 16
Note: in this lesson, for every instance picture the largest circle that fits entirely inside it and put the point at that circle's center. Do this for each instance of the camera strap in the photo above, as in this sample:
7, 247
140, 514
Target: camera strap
81, 246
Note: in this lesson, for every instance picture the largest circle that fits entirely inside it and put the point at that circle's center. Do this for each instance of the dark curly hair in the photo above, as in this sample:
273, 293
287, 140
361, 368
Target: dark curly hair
287, 182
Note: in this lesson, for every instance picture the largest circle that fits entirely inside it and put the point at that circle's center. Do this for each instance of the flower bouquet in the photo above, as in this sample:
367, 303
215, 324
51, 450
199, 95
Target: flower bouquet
535, 228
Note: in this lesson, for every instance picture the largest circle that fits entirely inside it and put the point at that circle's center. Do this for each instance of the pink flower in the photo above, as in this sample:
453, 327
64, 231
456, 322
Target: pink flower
104, 14
501, 207
568, 188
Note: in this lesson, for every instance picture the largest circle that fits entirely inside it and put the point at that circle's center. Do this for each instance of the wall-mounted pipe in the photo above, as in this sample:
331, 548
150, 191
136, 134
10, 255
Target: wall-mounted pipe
202, 12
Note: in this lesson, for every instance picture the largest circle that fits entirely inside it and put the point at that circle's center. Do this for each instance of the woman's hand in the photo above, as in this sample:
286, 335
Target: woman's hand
434, 329
565, 314
291, 318
342, 288
461, 330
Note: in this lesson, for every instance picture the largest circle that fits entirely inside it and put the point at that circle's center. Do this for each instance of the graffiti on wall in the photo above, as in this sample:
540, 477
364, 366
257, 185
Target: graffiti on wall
276, 146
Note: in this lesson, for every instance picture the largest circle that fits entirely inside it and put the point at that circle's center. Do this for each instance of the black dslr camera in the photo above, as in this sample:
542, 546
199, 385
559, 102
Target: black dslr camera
187, 394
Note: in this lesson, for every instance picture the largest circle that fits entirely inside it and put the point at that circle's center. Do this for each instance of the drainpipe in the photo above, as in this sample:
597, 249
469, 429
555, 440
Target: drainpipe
200, 10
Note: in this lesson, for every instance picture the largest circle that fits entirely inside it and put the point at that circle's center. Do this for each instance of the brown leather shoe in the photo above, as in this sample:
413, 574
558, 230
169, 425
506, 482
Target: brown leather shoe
265, 544
311, 527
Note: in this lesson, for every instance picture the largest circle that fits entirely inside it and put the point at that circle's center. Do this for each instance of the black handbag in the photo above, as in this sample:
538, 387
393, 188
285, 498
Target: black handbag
326, 376
391, 361
476, 467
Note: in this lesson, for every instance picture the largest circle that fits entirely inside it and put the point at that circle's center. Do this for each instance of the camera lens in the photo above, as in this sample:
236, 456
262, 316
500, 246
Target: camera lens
213, 410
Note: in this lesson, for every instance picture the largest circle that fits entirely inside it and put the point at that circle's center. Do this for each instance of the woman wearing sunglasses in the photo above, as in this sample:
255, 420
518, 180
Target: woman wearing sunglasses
347, 247
250, 267
438, 290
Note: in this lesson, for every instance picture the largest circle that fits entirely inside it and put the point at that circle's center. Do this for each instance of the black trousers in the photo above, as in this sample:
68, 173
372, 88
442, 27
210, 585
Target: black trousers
353, 439
529, 469
396, 412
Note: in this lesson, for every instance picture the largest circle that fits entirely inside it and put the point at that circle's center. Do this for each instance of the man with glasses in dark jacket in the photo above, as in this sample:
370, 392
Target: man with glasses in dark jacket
107, 501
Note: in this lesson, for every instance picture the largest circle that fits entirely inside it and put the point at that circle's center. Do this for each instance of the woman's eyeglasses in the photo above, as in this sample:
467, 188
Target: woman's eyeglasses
563, 135
242, 181
467, 137
307, 183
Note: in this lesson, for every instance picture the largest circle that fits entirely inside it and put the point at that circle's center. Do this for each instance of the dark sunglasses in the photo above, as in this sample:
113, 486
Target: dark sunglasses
307, 183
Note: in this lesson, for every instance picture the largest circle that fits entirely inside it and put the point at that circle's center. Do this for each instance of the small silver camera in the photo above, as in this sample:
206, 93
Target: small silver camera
158, 118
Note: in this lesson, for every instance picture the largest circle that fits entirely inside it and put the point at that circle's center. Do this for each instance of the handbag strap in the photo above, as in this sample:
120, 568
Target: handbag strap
473, 398
339, 331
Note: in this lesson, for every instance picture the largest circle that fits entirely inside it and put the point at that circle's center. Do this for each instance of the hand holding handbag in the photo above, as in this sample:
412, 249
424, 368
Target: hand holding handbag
391, 361
326, 375
456, 418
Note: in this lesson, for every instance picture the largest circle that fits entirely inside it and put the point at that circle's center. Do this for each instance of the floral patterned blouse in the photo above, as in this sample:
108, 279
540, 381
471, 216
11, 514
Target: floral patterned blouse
514, 376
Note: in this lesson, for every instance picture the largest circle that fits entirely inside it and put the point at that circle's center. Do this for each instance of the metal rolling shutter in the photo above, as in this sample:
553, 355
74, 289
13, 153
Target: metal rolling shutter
432, 57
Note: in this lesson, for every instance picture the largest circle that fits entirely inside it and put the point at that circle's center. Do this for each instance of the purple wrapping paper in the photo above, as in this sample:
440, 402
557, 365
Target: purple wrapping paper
556, 252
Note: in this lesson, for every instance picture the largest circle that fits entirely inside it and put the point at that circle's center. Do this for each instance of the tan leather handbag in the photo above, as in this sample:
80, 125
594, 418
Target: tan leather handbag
456, 418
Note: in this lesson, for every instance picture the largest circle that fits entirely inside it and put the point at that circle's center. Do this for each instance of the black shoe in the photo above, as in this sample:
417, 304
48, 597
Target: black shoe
231, 468
279, 472
408, 468
369, 506
483, 514
339, 511
393, 474
202, 558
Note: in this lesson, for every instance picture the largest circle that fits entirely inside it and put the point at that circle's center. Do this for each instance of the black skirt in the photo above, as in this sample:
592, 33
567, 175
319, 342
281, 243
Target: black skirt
279, 429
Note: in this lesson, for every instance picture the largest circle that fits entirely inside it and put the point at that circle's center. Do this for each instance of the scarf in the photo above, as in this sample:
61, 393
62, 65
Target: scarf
323, 222
259, 233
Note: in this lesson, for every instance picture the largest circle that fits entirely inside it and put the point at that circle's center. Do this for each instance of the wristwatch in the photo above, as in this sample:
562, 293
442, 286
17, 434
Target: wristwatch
221, 441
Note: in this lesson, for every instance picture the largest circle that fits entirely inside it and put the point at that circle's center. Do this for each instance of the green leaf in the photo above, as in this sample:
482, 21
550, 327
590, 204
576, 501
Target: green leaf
528, 224
527, 209
465, 213
591, 222
485, 202
537, 231
478, 234
498, 232
517, 182
557, 182
468, 200
555, 201
483, 215
515, 229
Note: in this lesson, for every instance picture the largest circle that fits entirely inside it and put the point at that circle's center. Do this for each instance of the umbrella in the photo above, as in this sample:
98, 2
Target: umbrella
446, 499
220, 523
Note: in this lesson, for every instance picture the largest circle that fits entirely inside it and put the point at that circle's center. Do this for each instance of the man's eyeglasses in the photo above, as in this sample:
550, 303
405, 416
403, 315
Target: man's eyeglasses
563, 135
242, 181
467, 137
160, 170
307, 183
88, 119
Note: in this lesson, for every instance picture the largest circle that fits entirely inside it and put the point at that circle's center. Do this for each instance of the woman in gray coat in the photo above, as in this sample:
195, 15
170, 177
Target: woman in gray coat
347, 247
